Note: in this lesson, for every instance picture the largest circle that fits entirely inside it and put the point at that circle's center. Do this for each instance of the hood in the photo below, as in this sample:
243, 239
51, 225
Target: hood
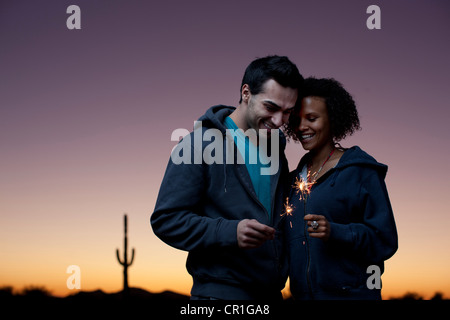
215, 117
357, 157
353, 156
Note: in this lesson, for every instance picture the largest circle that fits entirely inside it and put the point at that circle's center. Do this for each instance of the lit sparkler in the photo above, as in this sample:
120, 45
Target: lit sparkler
288, 209
304, 187
301, 187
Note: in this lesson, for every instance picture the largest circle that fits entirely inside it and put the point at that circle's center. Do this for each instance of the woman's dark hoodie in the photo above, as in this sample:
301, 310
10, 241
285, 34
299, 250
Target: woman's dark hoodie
354, 199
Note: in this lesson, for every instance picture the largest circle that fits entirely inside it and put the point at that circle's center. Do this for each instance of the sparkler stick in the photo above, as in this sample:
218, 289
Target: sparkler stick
304, 188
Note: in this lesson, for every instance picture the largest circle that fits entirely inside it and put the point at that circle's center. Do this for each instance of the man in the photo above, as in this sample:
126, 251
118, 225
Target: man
226, 214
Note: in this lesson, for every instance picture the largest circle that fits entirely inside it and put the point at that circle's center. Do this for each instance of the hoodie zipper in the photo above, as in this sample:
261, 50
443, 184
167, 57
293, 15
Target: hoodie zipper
270, 218
308, 250
307, 239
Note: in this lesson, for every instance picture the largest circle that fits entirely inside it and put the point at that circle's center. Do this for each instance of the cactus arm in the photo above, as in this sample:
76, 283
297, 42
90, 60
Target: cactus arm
132, 257
118, 257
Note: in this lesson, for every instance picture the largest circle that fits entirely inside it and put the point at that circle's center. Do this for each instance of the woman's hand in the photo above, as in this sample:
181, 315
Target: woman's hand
318, 226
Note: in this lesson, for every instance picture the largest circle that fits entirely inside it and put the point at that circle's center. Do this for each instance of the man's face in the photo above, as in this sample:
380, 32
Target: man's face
270, 108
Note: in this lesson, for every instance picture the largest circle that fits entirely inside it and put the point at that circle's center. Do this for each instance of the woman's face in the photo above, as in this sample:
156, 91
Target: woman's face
314, 128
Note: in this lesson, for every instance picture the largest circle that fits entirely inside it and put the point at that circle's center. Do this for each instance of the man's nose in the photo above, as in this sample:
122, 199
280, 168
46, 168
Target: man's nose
278, 120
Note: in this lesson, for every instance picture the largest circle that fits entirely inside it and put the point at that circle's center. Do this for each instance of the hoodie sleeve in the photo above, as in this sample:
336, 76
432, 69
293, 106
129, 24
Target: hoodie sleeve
375, 237
177, 218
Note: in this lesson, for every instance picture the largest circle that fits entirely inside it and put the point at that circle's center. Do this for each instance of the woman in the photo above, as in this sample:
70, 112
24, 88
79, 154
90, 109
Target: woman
341, 220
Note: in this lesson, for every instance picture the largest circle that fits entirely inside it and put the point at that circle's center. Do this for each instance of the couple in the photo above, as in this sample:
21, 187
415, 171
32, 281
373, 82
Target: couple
242, 243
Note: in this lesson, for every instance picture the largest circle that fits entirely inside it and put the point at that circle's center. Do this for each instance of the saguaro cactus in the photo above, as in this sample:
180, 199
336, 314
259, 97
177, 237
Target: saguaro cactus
125, 262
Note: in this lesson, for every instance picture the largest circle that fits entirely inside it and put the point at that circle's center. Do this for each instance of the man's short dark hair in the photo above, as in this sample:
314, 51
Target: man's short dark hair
278, 68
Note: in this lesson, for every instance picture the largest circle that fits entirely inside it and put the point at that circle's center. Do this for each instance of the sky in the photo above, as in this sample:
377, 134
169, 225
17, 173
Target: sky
86, 118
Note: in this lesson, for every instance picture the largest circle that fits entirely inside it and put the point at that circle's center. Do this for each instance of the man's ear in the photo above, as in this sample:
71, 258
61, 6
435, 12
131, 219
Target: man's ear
245, 93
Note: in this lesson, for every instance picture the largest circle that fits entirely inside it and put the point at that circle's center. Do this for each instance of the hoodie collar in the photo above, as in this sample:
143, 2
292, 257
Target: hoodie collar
353, 156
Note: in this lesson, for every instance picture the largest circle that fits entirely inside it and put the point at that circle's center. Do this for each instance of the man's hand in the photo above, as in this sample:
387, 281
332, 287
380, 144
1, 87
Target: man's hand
252, 234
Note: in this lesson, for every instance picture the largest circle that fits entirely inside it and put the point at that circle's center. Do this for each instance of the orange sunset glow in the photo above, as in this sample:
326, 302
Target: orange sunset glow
86, 118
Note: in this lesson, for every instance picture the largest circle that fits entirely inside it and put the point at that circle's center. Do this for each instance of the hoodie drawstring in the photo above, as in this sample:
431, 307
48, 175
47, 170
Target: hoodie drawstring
225, 177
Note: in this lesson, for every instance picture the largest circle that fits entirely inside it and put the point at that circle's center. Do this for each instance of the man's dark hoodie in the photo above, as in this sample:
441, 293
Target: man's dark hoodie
354, 199
198, 209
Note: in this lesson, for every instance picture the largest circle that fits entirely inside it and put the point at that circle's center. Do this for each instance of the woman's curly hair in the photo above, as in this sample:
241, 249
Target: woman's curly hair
341, 108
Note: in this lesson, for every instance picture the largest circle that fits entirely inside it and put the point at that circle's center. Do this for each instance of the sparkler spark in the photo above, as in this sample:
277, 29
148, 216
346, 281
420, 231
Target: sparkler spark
288, 209
303, 187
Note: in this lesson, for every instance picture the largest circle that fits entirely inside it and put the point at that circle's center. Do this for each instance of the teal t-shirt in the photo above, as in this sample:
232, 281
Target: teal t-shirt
261, 183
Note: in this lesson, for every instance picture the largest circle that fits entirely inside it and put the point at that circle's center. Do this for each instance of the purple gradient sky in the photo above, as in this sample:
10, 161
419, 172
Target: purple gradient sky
86, 118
